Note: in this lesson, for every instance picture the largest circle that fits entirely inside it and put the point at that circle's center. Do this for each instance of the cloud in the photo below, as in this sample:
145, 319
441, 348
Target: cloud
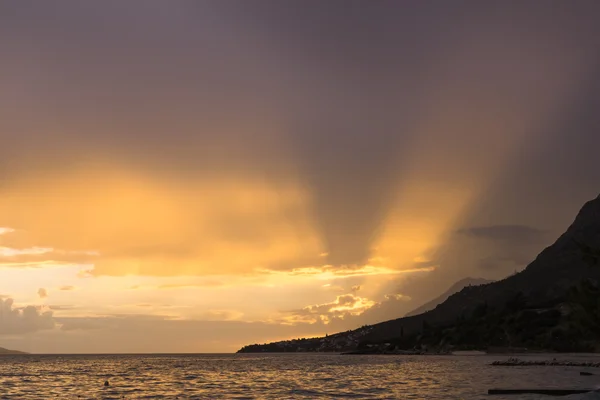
334, 288
157, 219
42, 293
10, 252
501, 249
4, 230
396, 297
221, 315
57, 307
108, 321
506, 233
73, 324
349, 311
392, 306
343, 306
504, 262
313, 162
39, 257
240, 227
205, 283
348, 271
279, 152
208, 315
23, 320
133, 334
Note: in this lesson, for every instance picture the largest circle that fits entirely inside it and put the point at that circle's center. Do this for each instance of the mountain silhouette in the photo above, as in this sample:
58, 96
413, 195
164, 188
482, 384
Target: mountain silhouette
557, 268
457, 287
7, 352
553, 299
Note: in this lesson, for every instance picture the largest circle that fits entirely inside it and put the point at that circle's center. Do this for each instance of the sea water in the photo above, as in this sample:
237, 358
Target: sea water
280, 376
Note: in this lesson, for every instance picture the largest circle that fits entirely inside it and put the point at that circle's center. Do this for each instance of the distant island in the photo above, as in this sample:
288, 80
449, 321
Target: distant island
551, 306
4, 351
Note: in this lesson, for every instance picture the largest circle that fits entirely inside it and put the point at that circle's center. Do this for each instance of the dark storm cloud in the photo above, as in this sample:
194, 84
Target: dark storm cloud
548, 182
553, 177
145, 83
504, 262
336, 92
348, 123
375, 63
505, 233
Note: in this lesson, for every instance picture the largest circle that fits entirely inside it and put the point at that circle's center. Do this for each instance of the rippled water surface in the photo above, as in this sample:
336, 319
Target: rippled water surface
277, 376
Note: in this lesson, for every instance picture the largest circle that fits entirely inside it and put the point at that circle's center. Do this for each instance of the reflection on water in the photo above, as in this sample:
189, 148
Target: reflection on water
295, 376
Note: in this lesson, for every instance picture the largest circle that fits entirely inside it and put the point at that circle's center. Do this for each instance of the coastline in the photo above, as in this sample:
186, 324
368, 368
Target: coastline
492, 352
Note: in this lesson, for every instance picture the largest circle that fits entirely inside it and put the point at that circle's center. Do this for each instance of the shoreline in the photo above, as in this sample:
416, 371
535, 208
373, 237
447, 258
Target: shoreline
453, 353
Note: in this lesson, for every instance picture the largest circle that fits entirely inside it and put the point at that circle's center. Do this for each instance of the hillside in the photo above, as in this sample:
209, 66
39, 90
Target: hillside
457, 287
4, 351
550, 305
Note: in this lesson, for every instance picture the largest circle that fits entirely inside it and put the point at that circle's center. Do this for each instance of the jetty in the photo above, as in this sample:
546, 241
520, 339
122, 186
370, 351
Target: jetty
547, 392
515, 362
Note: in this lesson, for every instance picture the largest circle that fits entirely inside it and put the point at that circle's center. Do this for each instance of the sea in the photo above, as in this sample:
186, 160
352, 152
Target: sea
282, 376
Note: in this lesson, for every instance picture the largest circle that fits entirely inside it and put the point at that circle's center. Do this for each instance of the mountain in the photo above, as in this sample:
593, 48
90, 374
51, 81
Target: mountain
555, 270
550, 305
457, 287
4, 351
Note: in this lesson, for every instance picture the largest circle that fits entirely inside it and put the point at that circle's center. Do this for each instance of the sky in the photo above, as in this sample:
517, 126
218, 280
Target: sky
189, 176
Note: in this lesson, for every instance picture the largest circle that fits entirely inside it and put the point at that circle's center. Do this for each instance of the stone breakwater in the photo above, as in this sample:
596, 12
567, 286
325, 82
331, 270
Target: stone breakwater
515, 362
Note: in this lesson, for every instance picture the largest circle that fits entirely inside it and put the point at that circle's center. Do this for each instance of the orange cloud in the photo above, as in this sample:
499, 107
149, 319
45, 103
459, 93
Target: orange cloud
340, 272
343, 306
4, 230
141, 226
